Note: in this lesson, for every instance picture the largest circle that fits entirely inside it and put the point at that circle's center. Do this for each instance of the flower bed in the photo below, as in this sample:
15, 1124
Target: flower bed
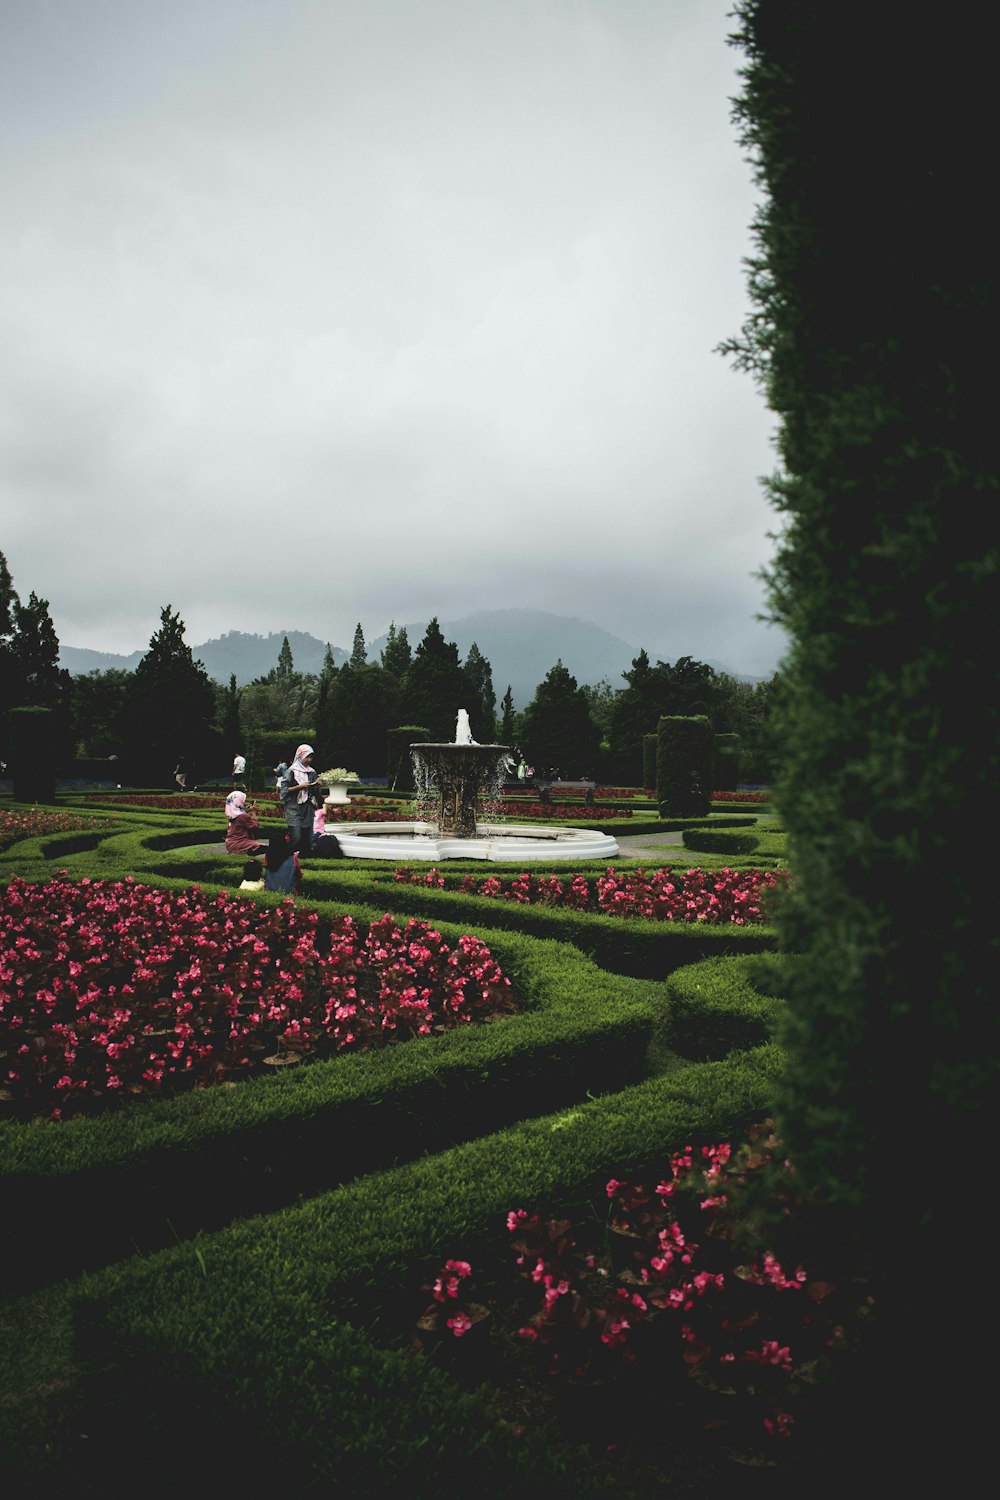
663, 895
28, 825
112, 989
740, 796
675, 1300
549, 812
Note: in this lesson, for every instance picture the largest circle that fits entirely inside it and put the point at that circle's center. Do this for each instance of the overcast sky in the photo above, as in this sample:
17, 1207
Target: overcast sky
319, 311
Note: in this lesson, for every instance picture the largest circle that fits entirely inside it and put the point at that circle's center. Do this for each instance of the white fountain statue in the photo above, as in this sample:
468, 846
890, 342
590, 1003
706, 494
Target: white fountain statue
453, 780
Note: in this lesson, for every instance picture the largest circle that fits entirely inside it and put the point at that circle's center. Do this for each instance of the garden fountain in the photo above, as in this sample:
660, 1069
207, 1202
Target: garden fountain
452, 779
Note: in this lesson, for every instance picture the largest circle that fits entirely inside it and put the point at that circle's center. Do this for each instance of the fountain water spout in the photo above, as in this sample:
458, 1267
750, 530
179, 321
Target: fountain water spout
463, 729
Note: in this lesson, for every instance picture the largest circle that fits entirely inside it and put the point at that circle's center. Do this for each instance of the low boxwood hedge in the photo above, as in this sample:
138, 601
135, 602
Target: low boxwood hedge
244, 1333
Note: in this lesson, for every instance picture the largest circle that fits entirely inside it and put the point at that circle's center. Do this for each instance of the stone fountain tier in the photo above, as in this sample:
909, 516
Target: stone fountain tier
507, 843
457, 774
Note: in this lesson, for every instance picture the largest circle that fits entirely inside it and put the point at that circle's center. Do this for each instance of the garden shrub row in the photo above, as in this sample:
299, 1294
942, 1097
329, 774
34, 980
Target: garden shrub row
244, 1335
638, 949
725, 1003
712, 841
95, 1188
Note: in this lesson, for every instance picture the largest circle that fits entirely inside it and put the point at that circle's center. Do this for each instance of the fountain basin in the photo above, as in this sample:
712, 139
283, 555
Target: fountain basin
502, 843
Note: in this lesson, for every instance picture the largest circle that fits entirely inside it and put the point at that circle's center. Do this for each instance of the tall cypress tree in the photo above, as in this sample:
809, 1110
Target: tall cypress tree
874, 289
359, 651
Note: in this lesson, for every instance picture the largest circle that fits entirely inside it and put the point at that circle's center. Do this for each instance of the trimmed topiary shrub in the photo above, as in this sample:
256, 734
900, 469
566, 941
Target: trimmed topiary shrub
33, 753
709, 841
684, 757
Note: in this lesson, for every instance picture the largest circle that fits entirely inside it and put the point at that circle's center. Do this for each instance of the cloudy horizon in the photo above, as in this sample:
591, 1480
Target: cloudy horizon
380, 311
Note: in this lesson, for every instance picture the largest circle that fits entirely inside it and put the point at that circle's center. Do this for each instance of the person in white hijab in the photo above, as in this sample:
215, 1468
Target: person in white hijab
297, 796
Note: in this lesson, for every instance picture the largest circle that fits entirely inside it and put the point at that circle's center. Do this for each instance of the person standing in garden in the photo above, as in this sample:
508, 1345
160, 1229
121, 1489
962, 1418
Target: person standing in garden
239, 766
297, 798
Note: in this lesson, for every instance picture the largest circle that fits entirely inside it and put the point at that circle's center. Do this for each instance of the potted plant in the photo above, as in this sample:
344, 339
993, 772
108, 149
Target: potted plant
336, 783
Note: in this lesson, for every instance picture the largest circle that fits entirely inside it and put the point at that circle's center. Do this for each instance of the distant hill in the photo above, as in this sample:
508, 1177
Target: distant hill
236, 653
521, 645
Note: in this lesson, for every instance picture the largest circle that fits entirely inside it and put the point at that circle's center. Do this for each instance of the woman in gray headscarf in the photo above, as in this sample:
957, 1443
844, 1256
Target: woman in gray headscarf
297, 797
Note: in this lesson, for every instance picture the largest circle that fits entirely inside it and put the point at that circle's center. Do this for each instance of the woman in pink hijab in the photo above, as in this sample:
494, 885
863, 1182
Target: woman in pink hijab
297, 796
242, 826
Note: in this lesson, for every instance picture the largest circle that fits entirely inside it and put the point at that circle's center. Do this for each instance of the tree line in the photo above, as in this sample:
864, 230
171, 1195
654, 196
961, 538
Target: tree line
169, 709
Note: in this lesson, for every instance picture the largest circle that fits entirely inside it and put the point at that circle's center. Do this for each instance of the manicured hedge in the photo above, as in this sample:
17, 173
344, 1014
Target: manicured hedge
247, 1340
710, 841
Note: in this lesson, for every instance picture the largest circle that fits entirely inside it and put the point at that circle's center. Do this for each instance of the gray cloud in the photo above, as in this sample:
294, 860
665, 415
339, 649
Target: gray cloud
375, 311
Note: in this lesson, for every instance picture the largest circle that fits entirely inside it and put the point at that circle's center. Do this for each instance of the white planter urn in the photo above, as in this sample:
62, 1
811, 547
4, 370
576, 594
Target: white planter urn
337, 793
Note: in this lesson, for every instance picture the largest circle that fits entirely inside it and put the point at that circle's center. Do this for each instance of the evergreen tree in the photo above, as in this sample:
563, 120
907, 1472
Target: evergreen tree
363, 706
286, 666
508, 728
35, 653
359, 651
556, 728
397, 656
653, 692
434, 686
875, 308
480, 699
230, 722
325, 720
170, 708
97, 707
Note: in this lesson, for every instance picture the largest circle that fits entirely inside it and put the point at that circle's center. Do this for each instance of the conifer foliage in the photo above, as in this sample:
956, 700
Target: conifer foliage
170, 709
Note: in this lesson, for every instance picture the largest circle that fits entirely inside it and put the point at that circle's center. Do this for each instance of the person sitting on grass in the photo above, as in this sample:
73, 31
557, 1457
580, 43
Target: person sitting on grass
243, 822
281, 863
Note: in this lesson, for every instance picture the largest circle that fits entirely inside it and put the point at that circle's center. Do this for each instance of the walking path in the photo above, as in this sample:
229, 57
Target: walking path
640, 844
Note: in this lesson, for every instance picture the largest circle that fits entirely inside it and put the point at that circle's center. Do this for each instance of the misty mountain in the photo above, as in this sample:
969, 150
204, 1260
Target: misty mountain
521, 645
235, 653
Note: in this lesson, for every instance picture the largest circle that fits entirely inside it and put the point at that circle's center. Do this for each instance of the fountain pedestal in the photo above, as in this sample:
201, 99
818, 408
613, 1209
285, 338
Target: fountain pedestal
455, 776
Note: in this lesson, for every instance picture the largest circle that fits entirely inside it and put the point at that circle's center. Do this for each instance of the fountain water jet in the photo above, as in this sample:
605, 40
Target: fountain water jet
452, 779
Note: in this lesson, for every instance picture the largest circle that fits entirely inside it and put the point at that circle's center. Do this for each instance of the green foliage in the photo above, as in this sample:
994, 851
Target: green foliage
684, 766
650, 742
399, 766
33, 753
874, 307
169, 709
434, 686
724, 1003
508, 728
651, 693
34, 648
726, 763
556, 727
397, 656
708, 840
479, 698
359, 651
363, 703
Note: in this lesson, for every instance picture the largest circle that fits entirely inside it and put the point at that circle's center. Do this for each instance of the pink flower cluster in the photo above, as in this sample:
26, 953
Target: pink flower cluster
551, 812
111, 988
740, 796
28, 825
663, 895
671, 1296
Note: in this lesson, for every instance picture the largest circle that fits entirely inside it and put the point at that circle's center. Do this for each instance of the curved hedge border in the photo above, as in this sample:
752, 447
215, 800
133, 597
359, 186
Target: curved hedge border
94, 1188
249, 1331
